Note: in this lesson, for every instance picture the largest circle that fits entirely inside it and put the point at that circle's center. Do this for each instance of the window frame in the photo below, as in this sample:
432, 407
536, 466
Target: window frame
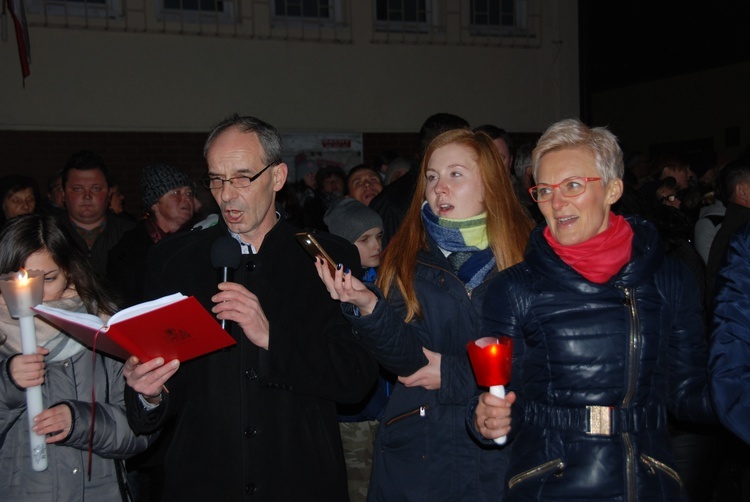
518, 28
77, 8
336, 7
430, 23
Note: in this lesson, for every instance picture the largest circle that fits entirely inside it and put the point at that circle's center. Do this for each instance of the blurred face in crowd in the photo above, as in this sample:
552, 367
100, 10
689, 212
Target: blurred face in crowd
309, 180
57, 194
55, 281
575, 219
174, 208
333, 184
364, 185
19, 202
454, 187
250, 211
683, 175
87, 197
504, 151
117, 200
370, 245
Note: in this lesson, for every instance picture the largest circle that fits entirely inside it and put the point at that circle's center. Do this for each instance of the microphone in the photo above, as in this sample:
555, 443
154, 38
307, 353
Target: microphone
225, 257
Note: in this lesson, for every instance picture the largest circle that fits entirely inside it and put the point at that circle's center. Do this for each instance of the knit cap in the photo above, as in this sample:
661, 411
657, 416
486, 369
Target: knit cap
349, 218
158, 179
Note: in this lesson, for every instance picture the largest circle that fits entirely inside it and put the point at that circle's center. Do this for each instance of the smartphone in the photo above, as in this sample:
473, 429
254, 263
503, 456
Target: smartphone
314, 249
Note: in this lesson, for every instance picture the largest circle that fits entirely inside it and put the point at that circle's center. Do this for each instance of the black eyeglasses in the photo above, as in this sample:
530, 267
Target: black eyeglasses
216, 183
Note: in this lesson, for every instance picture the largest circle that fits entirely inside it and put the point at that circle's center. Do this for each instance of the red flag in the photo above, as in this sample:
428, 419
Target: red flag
18, 14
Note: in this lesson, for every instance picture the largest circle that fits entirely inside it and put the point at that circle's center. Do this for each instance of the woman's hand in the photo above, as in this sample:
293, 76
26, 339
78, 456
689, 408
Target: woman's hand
27, 370
427, 376
148, 378
54, 422
492, 416
344, 287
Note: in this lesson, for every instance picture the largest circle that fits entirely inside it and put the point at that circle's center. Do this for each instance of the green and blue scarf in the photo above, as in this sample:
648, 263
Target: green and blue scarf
466, 239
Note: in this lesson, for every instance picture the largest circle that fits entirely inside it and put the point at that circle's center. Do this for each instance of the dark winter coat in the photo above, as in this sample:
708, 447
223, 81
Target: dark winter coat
255, 424
585, 355
423, 450
66, 478
729, 366
98, 254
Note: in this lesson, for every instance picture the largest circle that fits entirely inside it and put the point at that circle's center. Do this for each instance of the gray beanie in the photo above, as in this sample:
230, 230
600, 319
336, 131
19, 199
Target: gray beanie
349, 218
158, 179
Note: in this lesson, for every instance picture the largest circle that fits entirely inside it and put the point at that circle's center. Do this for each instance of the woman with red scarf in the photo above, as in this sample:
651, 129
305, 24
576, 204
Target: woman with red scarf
607, 333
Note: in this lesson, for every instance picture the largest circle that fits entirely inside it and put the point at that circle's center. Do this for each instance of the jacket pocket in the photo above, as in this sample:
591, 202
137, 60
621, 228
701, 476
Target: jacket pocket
555, 467
420, 412
653, 466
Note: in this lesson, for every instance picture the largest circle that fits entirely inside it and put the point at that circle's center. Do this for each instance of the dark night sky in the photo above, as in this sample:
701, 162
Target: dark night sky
628, 42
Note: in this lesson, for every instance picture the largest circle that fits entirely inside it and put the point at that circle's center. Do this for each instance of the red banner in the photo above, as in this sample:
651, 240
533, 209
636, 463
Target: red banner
18, 14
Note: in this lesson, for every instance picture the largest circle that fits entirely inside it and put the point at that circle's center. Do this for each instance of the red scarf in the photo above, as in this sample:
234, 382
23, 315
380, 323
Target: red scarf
602, 256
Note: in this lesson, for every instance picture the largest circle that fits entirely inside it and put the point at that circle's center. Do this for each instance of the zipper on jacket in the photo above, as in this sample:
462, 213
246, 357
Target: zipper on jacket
653, 465
634, 345
421, 411
556, 465
634, 342
630, 467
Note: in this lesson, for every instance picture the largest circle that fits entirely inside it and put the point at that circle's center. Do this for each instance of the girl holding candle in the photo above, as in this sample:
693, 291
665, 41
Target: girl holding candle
463, 226
64, 368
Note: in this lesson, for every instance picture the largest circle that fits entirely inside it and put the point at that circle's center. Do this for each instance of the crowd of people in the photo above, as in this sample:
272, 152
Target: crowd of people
621, 281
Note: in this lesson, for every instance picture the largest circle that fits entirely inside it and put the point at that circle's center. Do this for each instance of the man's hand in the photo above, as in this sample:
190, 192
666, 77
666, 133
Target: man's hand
148, 378
235, 303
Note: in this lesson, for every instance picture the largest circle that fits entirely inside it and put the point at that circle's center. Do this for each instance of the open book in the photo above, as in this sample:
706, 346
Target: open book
172, 327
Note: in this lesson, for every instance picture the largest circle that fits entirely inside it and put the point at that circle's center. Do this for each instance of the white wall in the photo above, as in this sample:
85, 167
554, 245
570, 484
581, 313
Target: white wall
124, 81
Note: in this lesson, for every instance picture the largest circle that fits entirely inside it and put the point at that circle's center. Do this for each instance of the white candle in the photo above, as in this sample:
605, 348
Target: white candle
21, 292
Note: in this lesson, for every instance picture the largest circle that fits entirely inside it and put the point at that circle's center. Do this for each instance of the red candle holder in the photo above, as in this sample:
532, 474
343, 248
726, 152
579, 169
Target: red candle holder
492, 358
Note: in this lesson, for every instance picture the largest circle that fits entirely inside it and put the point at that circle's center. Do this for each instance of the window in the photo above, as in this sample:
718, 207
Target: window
195, 11
497, 17
302, 8
308, 11
76, 8
403, 15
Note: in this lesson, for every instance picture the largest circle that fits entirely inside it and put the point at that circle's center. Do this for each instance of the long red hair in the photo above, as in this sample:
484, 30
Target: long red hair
508, 226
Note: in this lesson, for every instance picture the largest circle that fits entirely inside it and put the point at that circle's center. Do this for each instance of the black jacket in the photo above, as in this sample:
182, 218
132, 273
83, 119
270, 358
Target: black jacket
254, 424
423, 450
633, 347
111, 235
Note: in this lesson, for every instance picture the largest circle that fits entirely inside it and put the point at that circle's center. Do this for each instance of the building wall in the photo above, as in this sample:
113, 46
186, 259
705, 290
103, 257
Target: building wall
138, 96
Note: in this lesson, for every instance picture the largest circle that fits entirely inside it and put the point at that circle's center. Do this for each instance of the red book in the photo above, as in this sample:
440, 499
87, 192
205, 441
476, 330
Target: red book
172, 327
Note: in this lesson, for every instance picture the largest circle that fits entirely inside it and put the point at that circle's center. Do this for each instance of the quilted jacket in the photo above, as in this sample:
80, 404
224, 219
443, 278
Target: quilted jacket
595, 369
729, 366
423, 450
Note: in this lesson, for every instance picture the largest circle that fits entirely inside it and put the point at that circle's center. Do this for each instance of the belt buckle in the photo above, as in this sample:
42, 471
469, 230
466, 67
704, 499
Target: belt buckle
600, 420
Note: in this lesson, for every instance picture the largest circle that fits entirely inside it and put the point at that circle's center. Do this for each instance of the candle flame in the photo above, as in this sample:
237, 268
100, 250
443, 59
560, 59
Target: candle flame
22, 276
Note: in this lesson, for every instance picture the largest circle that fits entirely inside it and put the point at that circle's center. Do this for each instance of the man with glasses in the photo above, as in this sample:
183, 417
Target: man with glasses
86, 185
257, 419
